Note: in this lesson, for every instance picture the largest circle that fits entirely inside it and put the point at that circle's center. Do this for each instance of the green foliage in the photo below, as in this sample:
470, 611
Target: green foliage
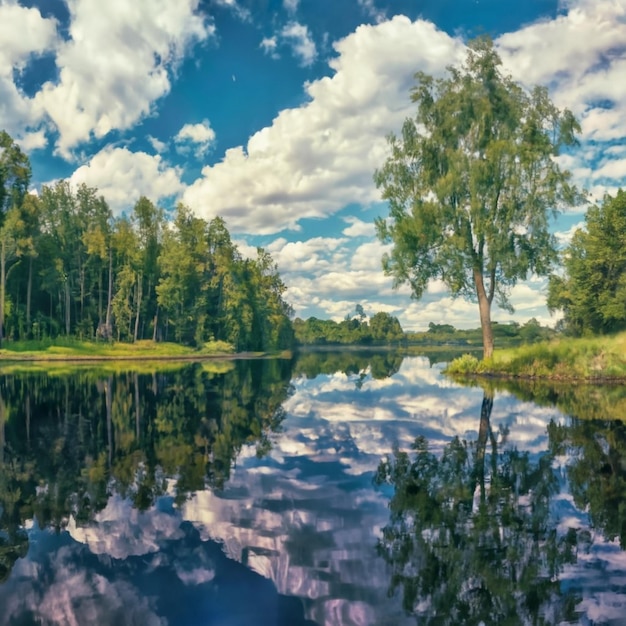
594, 359
592, 291
507, 334
465, 364
382, 328
15, 174
69, 267
471, 182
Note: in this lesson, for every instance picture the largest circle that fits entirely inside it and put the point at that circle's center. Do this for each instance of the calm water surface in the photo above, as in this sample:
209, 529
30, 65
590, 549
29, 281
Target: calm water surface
336, 489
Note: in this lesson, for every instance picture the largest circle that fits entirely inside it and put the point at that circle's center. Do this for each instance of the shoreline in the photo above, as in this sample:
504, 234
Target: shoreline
80, 358
601, 379
599, 360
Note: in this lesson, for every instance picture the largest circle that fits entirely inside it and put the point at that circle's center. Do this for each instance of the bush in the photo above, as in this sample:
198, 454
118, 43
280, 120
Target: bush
466, 364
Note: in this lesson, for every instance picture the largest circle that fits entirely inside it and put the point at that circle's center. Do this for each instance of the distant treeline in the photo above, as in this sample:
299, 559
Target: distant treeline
510, 333
382, 328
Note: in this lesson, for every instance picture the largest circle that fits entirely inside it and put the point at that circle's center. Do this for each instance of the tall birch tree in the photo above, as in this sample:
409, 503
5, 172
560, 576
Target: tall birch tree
471, 183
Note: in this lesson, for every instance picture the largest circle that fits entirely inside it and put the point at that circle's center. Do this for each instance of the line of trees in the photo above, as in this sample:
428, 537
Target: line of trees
69, 267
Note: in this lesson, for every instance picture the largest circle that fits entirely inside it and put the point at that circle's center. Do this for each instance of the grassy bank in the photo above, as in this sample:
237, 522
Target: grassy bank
71, 349
596, 358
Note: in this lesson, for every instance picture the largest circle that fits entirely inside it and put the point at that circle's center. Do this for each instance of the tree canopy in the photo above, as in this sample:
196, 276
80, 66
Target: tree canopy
592, 291
471, 183
69, 267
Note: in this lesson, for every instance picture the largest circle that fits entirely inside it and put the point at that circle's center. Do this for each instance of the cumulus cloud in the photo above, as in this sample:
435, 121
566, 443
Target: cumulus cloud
368, 256
581, 57
24, 34
122, 176
291, 6
199, 136
132, 49
314, 160
303, 256
299, 38
358, 228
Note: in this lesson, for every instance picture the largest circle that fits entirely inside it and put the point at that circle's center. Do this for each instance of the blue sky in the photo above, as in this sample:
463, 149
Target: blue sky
273, 114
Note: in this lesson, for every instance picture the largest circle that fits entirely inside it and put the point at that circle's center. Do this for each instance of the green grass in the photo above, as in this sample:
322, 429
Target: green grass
73, 349
590, 358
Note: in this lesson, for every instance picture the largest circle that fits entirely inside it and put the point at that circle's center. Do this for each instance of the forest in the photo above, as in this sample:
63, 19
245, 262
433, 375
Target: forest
68, 267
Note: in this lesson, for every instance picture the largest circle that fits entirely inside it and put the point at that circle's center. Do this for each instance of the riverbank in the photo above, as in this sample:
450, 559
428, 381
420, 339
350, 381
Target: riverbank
74, 350
597, 359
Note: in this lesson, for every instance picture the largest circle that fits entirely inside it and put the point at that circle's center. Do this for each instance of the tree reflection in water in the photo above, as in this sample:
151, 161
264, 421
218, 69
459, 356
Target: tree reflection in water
67, 442
470, 539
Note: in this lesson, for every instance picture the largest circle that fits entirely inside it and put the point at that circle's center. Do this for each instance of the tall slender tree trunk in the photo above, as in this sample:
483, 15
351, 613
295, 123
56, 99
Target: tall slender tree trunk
139, 294
3, 275
484, 306
29, 290
67, 307
110, 295
100, 298
156, 323
2, 435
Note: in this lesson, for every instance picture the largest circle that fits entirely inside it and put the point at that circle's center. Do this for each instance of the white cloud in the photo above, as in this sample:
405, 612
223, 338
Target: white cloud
581, 57
304, 256
131, 48
269, 45
613, 168
291, 6
564, 237
241, 12
201, 135
301, 42
370, 9
314, 160
368, 256
158, 145
32, 141
122, 176
358, 228
24, 34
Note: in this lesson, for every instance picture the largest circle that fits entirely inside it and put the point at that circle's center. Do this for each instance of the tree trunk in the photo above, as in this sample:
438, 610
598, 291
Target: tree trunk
137, 407
484, 431
484, 306
156, 323
67, 307
108, 401
139, 294
110, 295
29, 290
2, 290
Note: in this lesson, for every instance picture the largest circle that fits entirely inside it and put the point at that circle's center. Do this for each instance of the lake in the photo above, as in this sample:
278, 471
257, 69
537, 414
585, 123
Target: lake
337, 488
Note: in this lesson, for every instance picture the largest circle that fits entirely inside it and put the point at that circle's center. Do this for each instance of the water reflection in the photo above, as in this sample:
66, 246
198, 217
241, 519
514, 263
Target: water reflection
180, 493
469, 537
